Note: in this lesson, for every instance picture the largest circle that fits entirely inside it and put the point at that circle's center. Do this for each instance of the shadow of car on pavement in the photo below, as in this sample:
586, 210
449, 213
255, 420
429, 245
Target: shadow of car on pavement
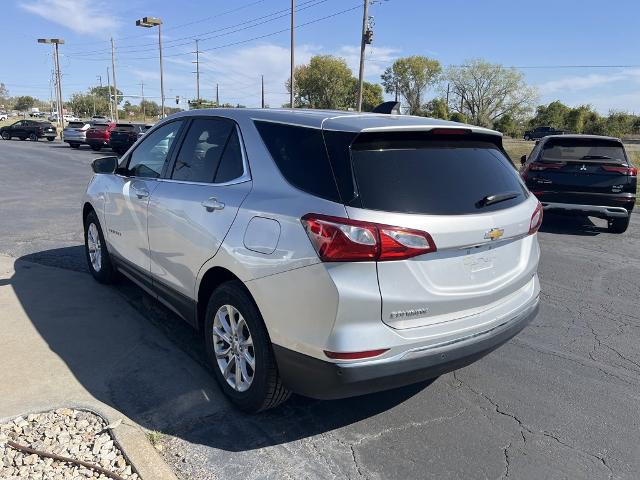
152, 366
570, 225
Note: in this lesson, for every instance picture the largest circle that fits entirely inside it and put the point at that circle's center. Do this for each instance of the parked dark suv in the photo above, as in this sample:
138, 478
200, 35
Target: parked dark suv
584, 175
31, 129
124, 135
541, 132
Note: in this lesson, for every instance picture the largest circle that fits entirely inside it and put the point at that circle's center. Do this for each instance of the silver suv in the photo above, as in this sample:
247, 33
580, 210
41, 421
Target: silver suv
326, 253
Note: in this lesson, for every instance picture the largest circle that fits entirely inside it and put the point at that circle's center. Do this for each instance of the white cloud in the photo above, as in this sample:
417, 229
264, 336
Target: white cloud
81, 16
238, 71
585, 82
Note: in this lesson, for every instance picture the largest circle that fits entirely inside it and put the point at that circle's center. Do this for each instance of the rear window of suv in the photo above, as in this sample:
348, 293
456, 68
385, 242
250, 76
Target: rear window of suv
569, 149
417, 172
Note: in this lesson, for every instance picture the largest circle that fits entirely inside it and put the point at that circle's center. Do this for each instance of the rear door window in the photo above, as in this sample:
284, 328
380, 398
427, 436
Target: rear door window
202, 150
582, 149
301, 157
403, 172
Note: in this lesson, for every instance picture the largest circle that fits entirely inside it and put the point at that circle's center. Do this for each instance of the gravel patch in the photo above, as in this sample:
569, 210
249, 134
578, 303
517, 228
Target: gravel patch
75, 434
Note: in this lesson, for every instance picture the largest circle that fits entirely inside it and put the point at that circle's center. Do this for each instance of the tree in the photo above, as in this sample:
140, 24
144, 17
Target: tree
104, 92
150, 108
509, 126
326, 82
484, 92
410, 77
619, 124
436, 108
553, 115
24, 103
371, 95
4, 94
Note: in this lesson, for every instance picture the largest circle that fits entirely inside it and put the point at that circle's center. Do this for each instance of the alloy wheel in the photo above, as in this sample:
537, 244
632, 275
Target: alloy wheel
94, 246
233, 347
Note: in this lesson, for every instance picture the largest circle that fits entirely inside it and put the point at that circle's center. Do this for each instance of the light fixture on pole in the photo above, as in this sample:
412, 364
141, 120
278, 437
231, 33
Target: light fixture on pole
148, 22
56, 42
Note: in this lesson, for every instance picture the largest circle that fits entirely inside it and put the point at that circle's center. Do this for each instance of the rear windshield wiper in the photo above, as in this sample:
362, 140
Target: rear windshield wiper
497, 198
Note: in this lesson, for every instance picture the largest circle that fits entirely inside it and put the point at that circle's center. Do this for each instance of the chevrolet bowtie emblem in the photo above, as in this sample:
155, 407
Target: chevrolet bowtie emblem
494, 234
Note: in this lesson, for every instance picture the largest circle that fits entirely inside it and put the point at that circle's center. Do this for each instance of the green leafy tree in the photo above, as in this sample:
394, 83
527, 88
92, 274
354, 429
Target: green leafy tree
410, 77
24, 102
371, 95
436, 108
555, 115
619, 124
484, 92
509, 126
150, 108
104, 92
326, 82
458, 117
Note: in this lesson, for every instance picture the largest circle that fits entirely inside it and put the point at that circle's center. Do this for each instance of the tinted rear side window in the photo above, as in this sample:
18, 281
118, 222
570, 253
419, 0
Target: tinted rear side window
301, 157
439, 177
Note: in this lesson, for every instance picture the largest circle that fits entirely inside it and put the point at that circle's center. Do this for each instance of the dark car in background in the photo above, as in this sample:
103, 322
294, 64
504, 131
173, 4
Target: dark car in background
541, 132
31, 129
585, 175
124, 135
75, 133
99, 134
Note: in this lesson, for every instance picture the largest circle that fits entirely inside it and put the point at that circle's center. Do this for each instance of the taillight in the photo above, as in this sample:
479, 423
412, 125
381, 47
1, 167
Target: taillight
631, 171
450, 131
355, 355
536, 219
538, 166
337, 239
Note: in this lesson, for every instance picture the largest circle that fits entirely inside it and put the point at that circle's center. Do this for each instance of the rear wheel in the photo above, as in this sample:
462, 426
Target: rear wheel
527, 137
239, 350
33, 137
6, 135
74, 145
96, 148
23, 138
619, 225
51, 139
98, 259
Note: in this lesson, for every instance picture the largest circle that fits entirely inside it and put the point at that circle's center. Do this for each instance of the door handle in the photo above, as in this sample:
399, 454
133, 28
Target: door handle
212, 204
140, 192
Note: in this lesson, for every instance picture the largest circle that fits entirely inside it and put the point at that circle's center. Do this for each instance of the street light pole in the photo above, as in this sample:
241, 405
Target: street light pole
109, 95
148, 22
56, 42
115, 88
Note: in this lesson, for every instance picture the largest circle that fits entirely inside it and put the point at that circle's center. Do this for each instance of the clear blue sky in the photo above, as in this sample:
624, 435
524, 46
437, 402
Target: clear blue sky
513, 33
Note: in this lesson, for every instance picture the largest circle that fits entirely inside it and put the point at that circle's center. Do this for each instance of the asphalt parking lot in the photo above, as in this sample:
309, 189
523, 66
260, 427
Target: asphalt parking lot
558, 401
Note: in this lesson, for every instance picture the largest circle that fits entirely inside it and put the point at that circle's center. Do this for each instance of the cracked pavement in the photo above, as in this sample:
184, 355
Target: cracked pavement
558, 401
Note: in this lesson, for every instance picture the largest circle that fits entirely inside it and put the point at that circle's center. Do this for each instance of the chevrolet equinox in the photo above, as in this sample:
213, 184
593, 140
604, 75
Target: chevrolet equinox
330, 254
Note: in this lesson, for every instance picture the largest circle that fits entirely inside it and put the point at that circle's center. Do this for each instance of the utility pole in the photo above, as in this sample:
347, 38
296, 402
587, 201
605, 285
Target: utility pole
363, 42
115, 87
396, 90
197, 72
262, 81
217, 96
109, 95
56, 42
99, 77
293, 58
148, 22
144, 111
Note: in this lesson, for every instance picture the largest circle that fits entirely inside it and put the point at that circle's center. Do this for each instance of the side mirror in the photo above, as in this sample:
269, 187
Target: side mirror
104, 165
523, 159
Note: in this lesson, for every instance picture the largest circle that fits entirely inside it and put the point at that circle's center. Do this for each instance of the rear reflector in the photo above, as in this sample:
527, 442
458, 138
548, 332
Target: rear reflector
631, 171
536, 219
355, 355
338, 239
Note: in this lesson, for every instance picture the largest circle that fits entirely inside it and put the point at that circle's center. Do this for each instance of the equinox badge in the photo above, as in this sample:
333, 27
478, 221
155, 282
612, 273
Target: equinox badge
494, 234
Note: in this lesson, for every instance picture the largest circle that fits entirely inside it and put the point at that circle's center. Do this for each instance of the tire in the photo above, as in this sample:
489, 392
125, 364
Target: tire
6, 136
50, 139
74, 145
23, 138
527, 138
264, 390
33, 137
102, 270
619, 225
96, 148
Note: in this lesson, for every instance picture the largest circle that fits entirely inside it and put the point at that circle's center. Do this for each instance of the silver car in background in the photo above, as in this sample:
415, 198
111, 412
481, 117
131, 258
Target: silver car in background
75, 133
326, 253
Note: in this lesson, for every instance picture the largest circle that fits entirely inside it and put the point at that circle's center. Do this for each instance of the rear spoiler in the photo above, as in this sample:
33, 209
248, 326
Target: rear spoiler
390, 108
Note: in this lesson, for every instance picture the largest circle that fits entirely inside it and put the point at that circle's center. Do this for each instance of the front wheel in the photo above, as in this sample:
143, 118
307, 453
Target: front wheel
619, 225
239, 350
33, 137
96, 148
51, 139
98, 259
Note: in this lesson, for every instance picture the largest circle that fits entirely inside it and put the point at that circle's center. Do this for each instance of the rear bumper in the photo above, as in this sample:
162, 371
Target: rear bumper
320, 379
602, 211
